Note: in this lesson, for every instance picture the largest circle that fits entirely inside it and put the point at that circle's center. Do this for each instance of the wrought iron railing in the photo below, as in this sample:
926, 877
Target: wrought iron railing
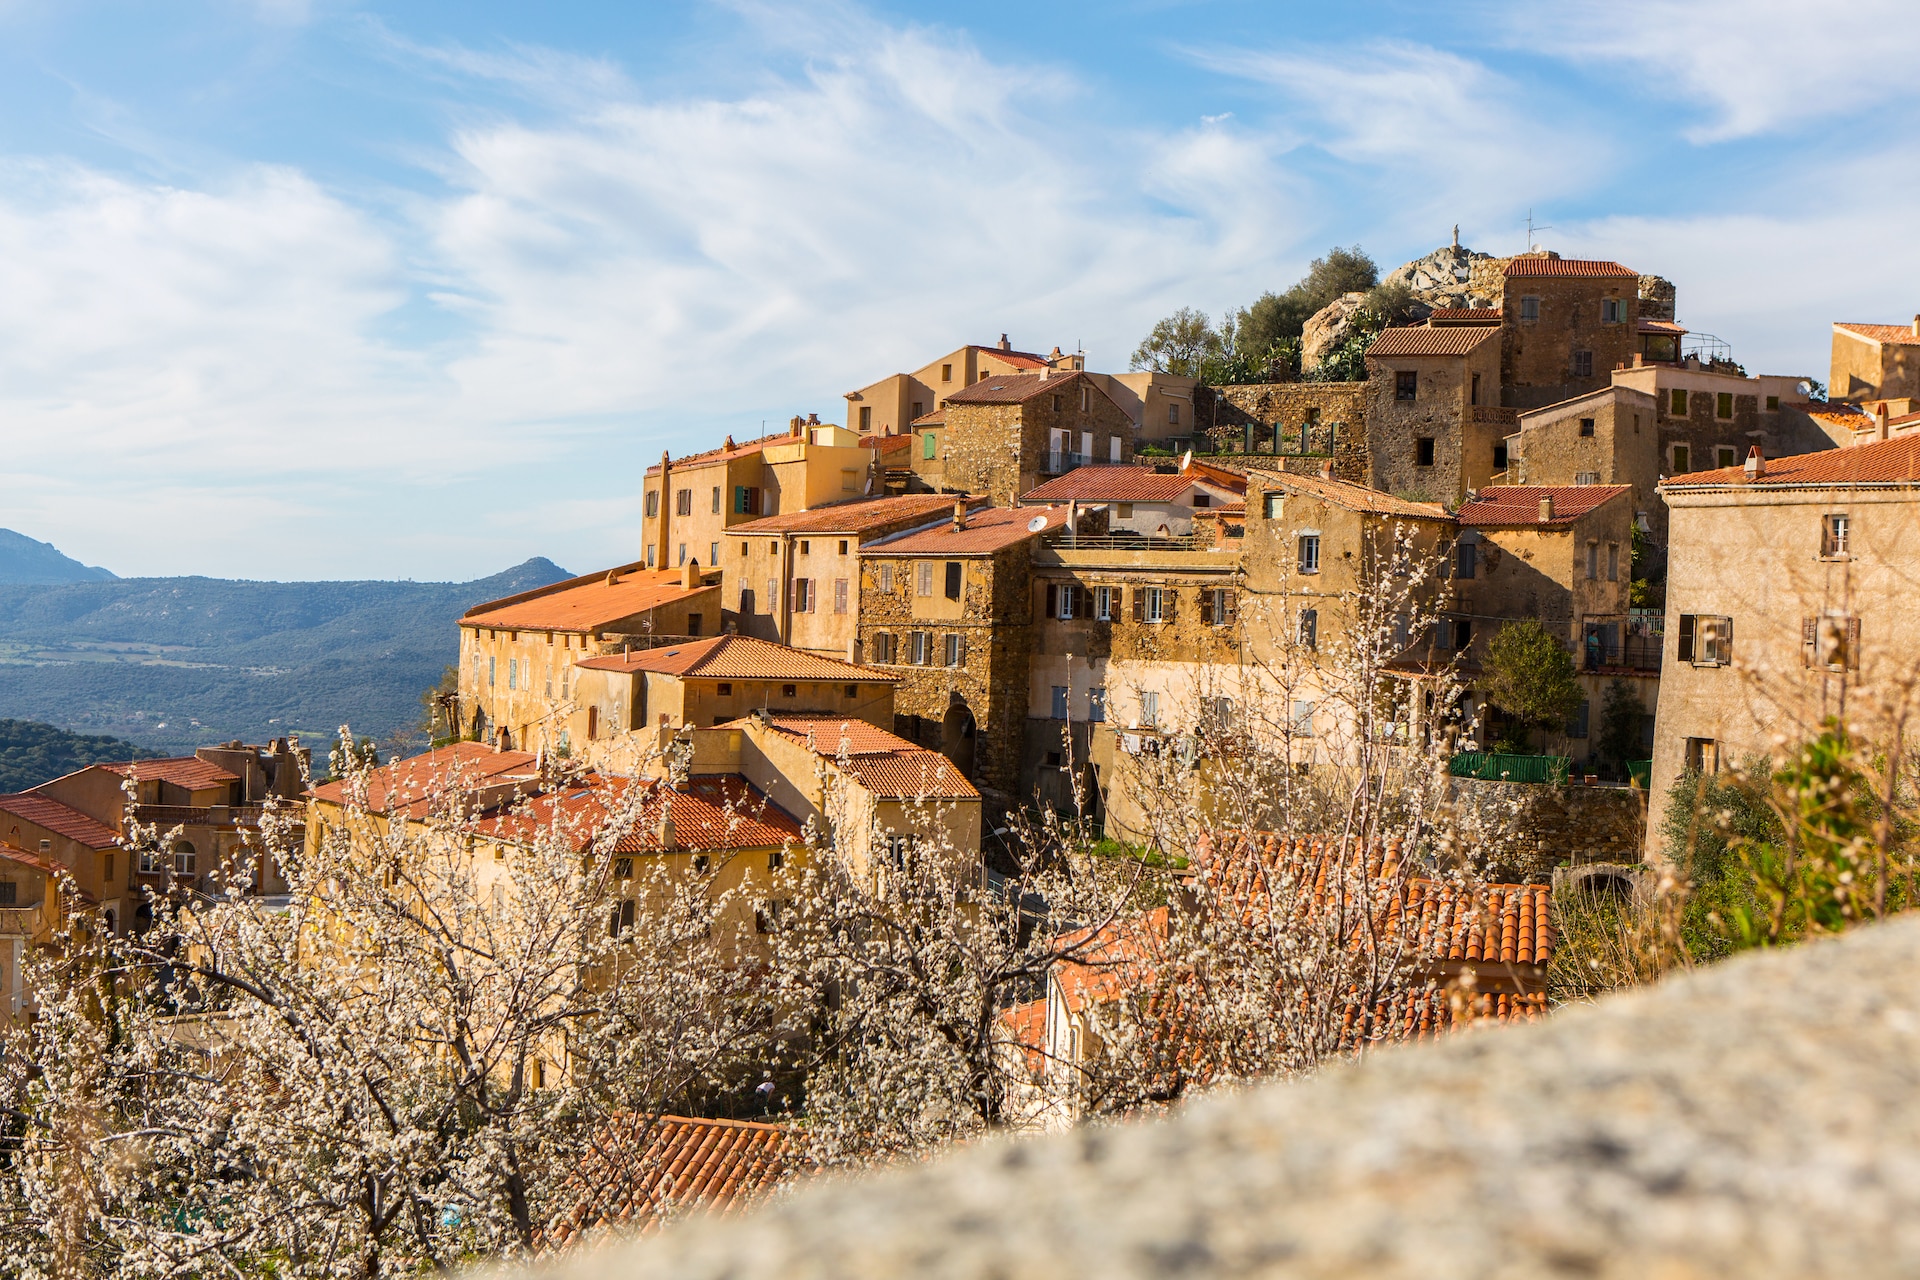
1633, 653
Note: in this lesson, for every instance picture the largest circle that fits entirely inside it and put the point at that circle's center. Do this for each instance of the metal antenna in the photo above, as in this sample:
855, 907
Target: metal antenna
1533, 230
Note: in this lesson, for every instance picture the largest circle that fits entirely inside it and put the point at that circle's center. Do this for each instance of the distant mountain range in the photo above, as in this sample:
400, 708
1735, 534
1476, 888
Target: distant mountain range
26, 561
176, 663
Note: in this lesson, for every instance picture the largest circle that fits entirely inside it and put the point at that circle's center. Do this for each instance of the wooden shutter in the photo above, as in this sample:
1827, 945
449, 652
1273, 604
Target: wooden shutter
1053, 599
1083, 602
1853, 644
1233, 606
961, 658
1810, 640
1685, 650
1169, 604
1726, 639
1139, 604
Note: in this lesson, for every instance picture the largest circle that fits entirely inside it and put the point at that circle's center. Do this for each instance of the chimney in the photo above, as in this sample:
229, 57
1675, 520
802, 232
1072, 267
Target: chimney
1326, 469
1639, 359
1546, 509
793, 425
728, 444
690, 574
813, 419
665, 829
1004, 344
1916, 326
666, 504
1880, 421
959, 513
1044, 371
1756, 463
1054, 356
1073, 516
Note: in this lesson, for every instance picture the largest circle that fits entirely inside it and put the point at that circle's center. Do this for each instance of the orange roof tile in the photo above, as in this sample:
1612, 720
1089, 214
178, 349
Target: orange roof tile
839, 735
711, 813
734, 657
1661, 326
1534, 264
1024, 359
1354, 497
889, 766
190, 772
727, 452
1891, 463
1464, 315
1018, 388
884, 445
645, 1169
586, 603
938, 418
1444, 340
61, 819
1499, 505
416, 786
858, 515
47, 866
987, 531
1118, 484
1899, 335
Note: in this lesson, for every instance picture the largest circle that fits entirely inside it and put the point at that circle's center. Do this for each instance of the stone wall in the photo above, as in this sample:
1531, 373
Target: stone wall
1754, 1119
1537, 360
1001, 449
1553, 826
1292, 405
1463, 446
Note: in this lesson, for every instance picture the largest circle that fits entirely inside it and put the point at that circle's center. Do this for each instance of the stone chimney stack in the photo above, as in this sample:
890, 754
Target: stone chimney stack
959, 513
1004, 344
665, 829
1880, 421
690, 574
1756, 463
666, 506
1546, 509
1326, 469
1916, 326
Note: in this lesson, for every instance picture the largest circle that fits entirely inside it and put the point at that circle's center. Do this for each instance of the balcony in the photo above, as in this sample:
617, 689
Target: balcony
180, 815
1637, 654
1059, 463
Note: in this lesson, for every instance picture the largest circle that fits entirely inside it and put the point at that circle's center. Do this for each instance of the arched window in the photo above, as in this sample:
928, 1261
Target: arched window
183, 857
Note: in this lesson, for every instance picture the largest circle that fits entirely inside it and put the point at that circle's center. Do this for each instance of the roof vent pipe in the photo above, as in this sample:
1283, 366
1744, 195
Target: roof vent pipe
1756, 463
1546, 509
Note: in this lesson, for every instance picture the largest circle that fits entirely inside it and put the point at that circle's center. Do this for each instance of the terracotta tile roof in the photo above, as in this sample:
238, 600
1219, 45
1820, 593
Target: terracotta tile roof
884, 445
938, 418
1520, 504
1114, 484
727, 452
415, 787
1892, 463
887, 765
986, 532
1899, 335
644, 1170
1839, 413
857, 515
1464, 315
710, 812
734, 657
1444, 340
1661, 326
1018, 388
1534, 264
190, 772
586, 603
61, 819
1354, 497
1026, 1026
9, 853
1023, 359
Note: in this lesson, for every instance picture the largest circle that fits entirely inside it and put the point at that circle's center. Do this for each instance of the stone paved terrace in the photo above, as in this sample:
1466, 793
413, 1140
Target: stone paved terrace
1757, 1119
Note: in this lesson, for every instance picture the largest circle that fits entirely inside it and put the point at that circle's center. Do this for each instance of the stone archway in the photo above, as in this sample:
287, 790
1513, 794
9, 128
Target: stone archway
957, 735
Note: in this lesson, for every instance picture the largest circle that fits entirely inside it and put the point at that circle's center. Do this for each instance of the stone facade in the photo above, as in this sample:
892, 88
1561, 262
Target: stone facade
1875, 362
1557, 338
1607, 437
1332, 416
1432, 446
1003, 436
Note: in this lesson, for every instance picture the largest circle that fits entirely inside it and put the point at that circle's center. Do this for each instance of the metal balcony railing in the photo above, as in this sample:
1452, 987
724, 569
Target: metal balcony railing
1127, 540
1059, 462
1634, 653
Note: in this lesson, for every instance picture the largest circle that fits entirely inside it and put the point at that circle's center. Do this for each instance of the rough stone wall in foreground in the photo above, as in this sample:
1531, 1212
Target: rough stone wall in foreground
1756, 1119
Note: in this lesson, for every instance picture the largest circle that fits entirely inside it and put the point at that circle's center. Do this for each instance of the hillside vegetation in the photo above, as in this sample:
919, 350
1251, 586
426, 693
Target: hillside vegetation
175, 663
30, 753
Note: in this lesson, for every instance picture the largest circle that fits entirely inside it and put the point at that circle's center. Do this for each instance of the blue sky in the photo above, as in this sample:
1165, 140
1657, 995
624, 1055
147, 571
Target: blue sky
321, 288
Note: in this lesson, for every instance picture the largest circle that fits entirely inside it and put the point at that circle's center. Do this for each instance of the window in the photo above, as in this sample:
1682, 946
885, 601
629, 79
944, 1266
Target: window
1113, 448
1423, 452
1613, 311
839, 595
1583, 364
953, 579
919, 409
1529, 308
649, 555
899, 848
1303, 718
1677, 403
1577, 726
789, 690
489, 673
151, 863
694, 623
802, 595
1593, 562
1703, 754
1086, 399
1832, 642
1221, 612
1059, 702
1149, 708
1706, 640
653, 503
1202, 499
746, 500
1613, 562
866, 419
946, 373
843, 546
1682, 460
850, 690
1056, 404
1473, 396
716, 511
1723, 405
1173, 415
886, 577
929, 444
1097, 704
1725, 456
773, 595
746, 600
1309, 553
926, 578
1465, 557
620, 918
806, 548
9, 893
1103, 603
1064, 600
513, 673
1406, 385
183, 857
1309, 630
106, 873
1833, 535
683, 502
1773, 403
713, 553
1272, 504
953, 649
1462, 633
1586, 426
886, 647
1153, 604
683, 555
921, 648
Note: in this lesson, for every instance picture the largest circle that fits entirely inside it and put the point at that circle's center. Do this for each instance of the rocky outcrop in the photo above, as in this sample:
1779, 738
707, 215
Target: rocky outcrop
1451, 276
1751, 1119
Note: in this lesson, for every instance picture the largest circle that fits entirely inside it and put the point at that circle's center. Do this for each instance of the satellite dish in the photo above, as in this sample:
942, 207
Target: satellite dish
1036, 524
